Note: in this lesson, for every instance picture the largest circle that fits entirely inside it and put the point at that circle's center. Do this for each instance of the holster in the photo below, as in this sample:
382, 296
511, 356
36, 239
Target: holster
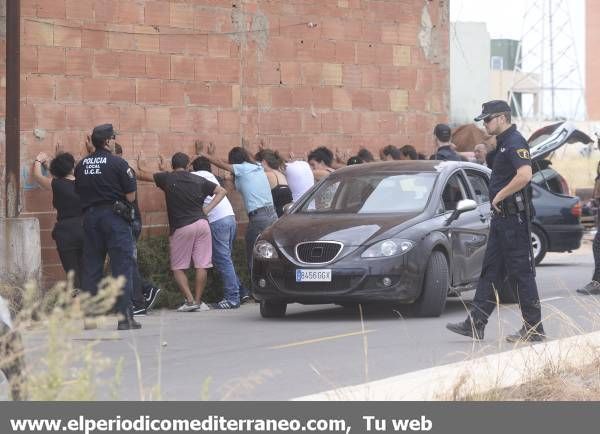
124, 210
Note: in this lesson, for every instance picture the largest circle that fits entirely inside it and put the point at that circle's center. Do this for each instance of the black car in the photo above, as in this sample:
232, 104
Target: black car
400, 232
557, 225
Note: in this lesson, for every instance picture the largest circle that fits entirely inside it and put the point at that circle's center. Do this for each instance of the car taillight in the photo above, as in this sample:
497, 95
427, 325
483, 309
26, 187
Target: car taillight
576, 210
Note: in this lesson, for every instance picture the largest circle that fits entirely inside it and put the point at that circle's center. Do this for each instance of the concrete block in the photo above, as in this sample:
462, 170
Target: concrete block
20, 250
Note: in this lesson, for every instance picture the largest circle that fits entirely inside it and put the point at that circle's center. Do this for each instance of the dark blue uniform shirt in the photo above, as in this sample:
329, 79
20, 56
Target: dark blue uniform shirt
103, 178
512, 152
446, 153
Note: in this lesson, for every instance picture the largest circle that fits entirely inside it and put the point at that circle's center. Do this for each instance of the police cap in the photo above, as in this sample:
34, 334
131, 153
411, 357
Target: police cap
103, 132
491, 108
442, 132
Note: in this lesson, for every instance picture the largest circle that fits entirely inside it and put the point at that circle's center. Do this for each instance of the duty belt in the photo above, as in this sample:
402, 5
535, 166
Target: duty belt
507, 208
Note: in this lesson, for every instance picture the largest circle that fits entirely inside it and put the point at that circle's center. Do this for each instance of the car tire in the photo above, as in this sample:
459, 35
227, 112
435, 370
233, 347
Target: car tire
539, 244
432, 301
507, 294
272, 309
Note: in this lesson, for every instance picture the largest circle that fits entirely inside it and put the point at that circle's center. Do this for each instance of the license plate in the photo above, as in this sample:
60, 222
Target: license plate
313, 275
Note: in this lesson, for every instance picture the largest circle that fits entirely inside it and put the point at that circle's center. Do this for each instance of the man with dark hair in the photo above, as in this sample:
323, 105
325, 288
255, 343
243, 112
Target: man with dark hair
145, 293
223, 229
508, 250
409, 153
445, 152
390, 152
365, 155
190, 238
107, 187
321, 160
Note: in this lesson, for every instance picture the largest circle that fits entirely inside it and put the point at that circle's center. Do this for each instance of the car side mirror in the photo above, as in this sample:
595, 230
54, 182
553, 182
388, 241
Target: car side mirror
287, 207
462, 207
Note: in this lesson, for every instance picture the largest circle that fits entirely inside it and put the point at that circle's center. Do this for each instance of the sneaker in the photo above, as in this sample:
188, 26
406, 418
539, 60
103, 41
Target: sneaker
224, 304
524, 335
139, 311
128, 324
151, 297
247, 299
202, 307
592, 288
467, 328
188, 307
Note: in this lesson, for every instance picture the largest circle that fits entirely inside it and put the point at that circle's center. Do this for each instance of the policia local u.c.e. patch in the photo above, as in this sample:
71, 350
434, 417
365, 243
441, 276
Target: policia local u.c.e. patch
523, 153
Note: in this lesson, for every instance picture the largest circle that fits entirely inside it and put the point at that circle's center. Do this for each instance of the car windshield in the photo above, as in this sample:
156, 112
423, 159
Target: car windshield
373, 193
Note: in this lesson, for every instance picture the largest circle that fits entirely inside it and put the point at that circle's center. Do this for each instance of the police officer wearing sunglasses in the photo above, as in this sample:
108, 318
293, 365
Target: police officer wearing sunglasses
107, 187
508, 251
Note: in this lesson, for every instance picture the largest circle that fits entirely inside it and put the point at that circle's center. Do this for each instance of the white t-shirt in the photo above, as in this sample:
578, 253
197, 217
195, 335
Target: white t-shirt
224, 208
299, 177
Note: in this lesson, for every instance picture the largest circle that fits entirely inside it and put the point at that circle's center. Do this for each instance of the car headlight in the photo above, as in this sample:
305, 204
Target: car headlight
386, 248
265, 250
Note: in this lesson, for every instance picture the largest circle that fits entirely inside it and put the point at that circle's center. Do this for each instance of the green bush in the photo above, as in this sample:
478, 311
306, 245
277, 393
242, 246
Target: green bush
153, 260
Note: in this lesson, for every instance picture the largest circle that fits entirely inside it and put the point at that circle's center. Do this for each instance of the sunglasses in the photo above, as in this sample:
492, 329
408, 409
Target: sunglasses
491, 118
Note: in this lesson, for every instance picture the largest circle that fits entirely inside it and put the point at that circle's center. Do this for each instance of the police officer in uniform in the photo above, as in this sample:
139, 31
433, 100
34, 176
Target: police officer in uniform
107, 187
508, 249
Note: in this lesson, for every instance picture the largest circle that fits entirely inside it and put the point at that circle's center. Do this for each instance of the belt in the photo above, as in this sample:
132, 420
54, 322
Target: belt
100, 205
263, 210
507, 208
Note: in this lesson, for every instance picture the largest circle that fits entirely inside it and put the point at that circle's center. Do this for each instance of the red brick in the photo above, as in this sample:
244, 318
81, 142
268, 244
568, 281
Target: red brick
172, 93
79, 117
67, 37
79, 61
148, 91
281, 48
50, 116
323, 97
361, 99
130, 12
311, 73
229, 122
106, 114
27, 116
371, 31
132, 118
388, 123
418, 100
220, 46
351, 122
370, 75
222, 70
69, 89
29, 59
122, 90
333, 28
51, 9
366, 53
51, 60
182, 68
36, 33
302, 97
291, 122
173, 43
158, 66
182, 15
96, 90
106, 63
269, 122
121, 41
324, 51
369, 123
80, 10
345, 52
281, 97
291, 73
385, 54
28, 8
132, 65
206, 121
353, 29
105, 11
182, 119
311, 123
158, 118
220, 95
380, 99
351, 76
393, 77
94, 39
39, 87
147, 43
157, 13
331, 122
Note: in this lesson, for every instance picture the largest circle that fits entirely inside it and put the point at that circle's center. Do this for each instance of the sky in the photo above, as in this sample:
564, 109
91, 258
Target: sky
506, 19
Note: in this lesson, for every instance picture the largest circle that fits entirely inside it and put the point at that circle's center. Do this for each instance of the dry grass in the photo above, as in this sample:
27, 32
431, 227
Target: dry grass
578, 171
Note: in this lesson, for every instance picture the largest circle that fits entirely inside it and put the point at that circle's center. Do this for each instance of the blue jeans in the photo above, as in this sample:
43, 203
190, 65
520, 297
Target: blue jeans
223, 235
105, 232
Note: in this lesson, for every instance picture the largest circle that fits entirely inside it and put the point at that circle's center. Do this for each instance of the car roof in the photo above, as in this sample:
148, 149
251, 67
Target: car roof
433, 166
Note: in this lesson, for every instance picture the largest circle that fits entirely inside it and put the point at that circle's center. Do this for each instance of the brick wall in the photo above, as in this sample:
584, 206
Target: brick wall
294, 73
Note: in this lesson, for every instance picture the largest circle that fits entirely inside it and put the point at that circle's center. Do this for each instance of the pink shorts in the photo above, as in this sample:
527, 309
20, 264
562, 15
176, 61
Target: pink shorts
191, 243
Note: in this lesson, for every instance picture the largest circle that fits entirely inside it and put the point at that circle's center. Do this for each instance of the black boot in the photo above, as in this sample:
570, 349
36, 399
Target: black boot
527, 334
128, 323
467, 328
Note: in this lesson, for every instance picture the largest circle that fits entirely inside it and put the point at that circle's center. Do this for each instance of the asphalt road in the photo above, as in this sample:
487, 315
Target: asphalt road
237, 355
